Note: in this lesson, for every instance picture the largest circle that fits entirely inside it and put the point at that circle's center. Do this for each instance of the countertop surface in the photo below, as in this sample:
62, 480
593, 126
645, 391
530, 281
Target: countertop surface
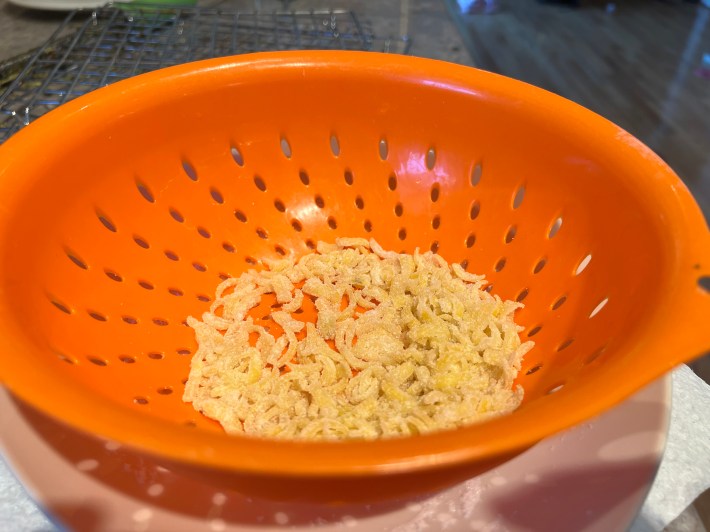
23, 29
427, 22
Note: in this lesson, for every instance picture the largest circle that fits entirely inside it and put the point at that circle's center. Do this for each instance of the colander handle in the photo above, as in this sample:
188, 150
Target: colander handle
688, 328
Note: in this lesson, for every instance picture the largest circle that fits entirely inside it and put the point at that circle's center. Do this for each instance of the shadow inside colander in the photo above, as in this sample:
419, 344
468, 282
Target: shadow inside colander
146, 479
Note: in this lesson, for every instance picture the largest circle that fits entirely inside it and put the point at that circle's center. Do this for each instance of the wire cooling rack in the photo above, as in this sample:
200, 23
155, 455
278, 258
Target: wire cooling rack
92, 49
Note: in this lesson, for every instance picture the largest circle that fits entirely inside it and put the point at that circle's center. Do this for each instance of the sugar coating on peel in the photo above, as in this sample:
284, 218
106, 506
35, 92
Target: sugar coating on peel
401, 345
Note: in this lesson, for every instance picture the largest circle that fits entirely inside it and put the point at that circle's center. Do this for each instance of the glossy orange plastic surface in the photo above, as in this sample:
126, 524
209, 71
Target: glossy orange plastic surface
121, 211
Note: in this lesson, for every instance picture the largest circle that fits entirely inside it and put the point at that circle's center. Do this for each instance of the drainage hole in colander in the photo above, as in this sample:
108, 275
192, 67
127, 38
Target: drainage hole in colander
146, 284
261, 233
126, 359
260, 184
237, 156
189, 170
160, 322
250, 260
310, 244
285, 147
704, 283
383, 149
199, 266
334, 145
65, 358
500, 264
434, 194
145, 191
183, 351
392, 182
510, 234
436, 222
522, 295
595, 355
303, 176
430, 158
156, 355
555, 388
320, 203
113, 275
583, 264
518, 197
367, 225
206, 299
359, 203
470, 240
223, 276
176, 215
598, 308
348, 175
239, 215
564, 345
534, 331
76, 259
555, 227
281, 251
216, 195
434, 246
105, 221
141, 241
229, 248
296, 225
540, 265
279, 205
140, 400
190, 424
402, 234
534, 369
332, 223
398, 210
557, 304
175, 291
97, 315
476, 174
61, 306
488, 288
97, 361
464, 265
165, 390
130, 320
171, 255
475, 210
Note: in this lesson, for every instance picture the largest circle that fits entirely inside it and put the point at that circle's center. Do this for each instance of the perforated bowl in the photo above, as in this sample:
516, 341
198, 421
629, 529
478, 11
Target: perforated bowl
122, 210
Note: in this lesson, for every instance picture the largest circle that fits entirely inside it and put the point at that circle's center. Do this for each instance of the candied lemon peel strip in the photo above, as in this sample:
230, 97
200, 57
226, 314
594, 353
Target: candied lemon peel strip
402, 345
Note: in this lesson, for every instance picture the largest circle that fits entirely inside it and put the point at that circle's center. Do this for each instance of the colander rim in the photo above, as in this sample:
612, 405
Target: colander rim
495, 438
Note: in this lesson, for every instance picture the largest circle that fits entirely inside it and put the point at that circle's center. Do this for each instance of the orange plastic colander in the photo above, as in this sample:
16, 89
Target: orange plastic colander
122, 210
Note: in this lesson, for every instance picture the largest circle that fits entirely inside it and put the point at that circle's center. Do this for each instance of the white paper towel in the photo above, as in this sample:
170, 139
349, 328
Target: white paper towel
685, 470
17, 508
